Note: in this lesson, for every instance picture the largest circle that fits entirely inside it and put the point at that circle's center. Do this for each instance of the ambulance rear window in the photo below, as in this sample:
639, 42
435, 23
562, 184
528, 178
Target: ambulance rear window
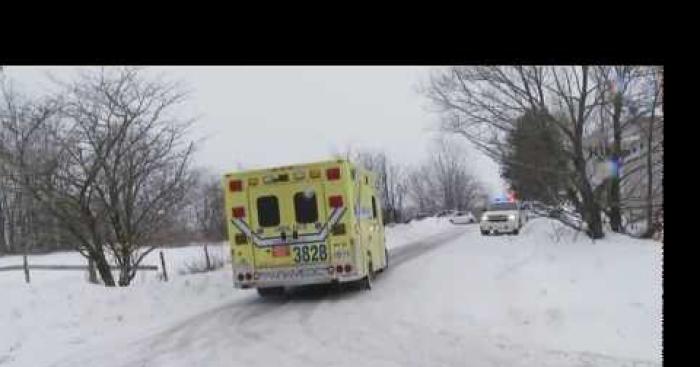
305, 208
268, 211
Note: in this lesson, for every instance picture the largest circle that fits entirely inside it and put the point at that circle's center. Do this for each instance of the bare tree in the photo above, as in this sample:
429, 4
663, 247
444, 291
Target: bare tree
23, 224
121, 164
625, 106
457, 184
654, 222
481, 103
421, 190
628, 122
208, 203
390, 182
444, 180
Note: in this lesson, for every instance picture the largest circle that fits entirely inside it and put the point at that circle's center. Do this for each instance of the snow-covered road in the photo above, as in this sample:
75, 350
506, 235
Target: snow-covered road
452, 299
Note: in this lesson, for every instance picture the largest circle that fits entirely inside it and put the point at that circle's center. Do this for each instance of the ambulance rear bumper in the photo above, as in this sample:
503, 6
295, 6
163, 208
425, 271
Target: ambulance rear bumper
296, 276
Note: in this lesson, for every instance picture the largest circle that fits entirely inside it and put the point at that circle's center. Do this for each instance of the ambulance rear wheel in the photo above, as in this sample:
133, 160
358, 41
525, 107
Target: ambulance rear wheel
366, 282
269, 292
386, 262
386, 258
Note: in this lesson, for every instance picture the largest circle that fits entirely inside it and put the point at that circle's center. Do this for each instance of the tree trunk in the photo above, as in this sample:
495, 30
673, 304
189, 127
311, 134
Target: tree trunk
590, 209
11, 234
124, 273
103, 268
3, 243
92, 274
615, 212
593, 220
650, 168
650, 182
614, 194
590, 205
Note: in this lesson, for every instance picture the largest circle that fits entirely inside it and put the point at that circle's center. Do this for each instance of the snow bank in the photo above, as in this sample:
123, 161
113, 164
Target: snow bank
553, 290
59, 311
404, 234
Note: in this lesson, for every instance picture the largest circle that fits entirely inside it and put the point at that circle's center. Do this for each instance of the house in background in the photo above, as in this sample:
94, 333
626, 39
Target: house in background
632, 168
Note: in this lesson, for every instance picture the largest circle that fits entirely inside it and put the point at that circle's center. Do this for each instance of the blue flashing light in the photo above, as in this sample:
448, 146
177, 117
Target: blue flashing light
615, 167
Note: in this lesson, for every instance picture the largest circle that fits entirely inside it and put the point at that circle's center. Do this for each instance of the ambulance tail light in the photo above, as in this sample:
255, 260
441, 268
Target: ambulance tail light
238, 212
335, 201
333, 173
235, 185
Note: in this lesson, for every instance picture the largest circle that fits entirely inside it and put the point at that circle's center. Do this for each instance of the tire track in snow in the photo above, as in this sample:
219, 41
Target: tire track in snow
331, 295
236, 322
400, 255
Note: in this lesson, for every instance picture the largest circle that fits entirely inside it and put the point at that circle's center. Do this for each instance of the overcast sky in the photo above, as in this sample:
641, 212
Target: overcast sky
259, 116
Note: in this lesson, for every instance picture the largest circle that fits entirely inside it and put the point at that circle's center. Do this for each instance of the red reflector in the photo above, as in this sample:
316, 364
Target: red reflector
333, 173
238, 212
348, 267
280, 251
335, 201
339, 268
235, 185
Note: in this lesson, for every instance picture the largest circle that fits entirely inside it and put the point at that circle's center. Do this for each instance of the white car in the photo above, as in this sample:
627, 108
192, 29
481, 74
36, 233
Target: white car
462, 218
502, 217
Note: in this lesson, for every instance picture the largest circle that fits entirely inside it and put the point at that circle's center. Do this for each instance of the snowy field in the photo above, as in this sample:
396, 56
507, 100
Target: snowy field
177, 259
450, 298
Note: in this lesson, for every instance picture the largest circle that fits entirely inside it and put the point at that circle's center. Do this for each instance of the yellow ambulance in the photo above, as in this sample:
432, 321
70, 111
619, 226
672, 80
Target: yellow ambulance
317, 223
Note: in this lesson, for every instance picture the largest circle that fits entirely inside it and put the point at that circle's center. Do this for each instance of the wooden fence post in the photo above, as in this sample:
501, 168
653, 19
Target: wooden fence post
206, 255
162, 263
26, 267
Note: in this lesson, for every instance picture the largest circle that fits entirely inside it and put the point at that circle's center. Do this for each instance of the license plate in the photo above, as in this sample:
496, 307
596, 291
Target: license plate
310, 253
279, 251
